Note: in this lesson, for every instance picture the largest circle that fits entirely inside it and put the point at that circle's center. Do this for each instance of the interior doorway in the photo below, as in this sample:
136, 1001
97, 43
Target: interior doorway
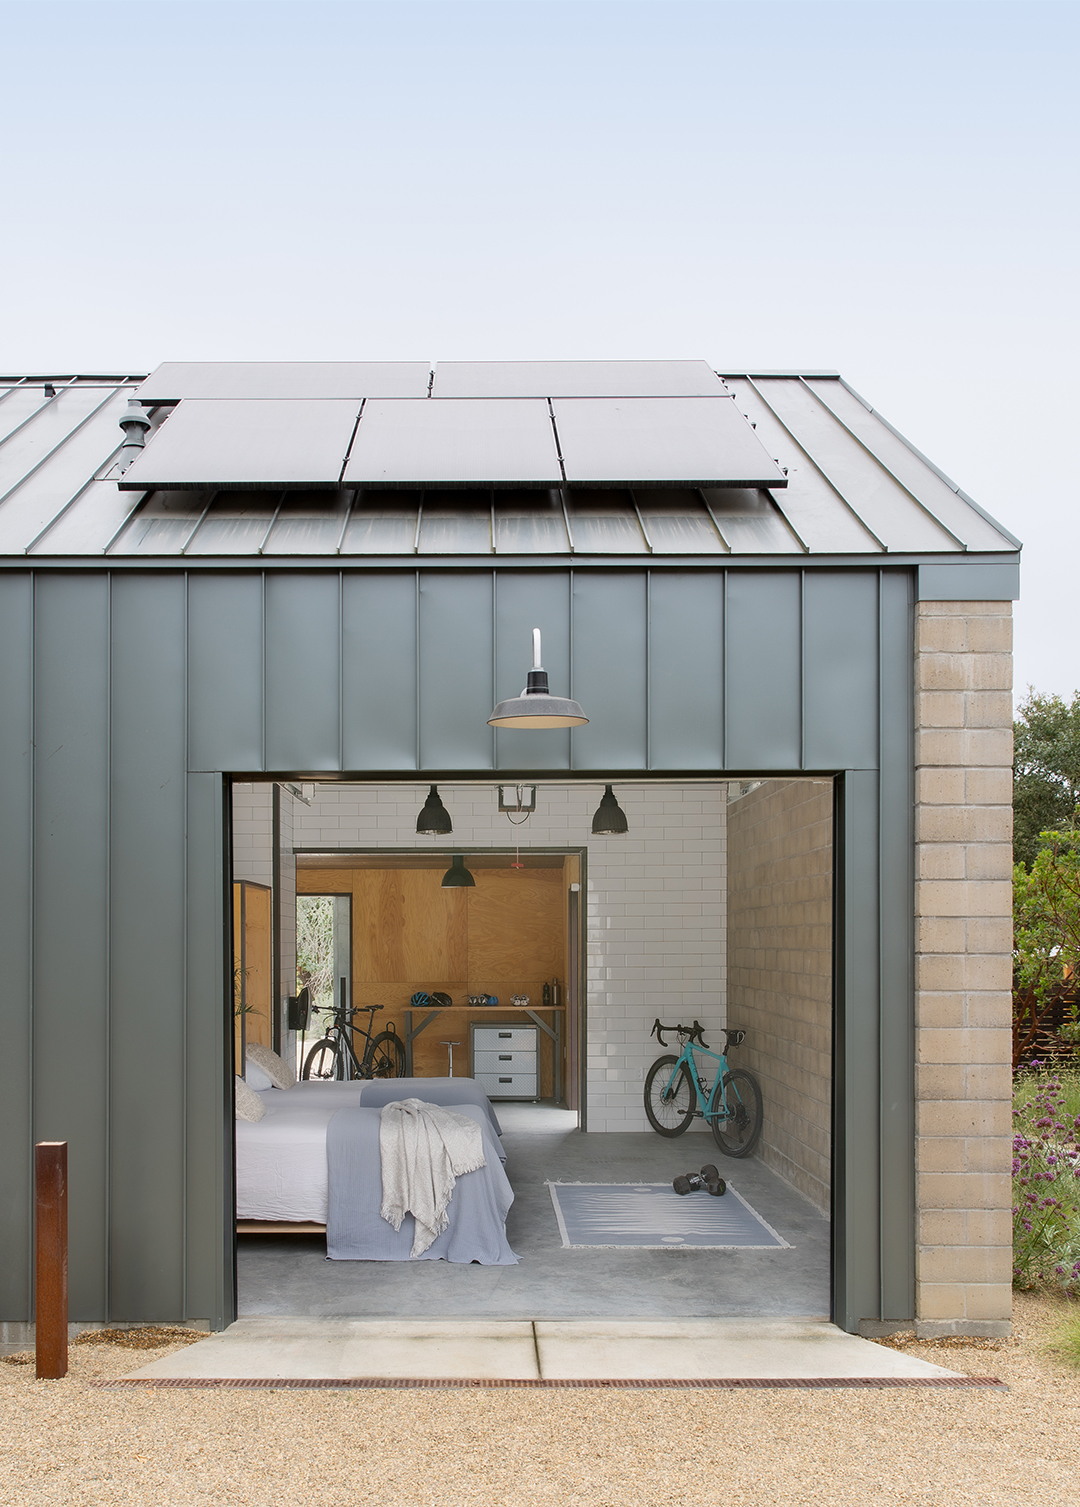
715, 906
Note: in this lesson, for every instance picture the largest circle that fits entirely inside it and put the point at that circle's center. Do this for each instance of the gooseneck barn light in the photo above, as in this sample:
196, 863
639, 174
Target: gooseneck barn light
610, 818
536, 707
457, 876
434, 816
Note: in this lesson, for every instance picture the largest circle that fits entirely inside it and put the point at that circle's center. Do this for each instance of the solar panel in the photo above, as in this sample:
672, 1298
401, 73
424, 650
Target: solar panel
454, 443
175, 380
575, 379
247, 444
643, 442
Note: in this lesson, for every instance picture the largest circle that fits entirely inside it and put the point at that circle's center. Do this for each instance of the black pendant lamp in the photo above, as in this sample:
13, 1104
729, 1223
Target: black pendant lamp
457, 876
610, 818
536, 707
434, 816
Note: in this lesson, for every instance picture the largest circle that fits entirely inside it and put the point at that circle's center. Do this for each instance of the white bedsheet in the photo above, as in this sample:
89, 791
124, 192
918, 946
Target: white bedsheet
281, 1160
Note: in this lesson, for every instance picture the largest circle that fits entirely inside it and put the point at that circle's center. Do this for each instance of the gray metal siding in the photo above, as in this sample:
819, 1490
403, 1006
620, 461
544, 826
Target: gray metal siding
840, 670
610, 671
897, 977
378, 671
389, 671
72, 1083
763, 683
16, 869
146, 947
208, 1062
225, 671
686, 660
303, 683
456, 670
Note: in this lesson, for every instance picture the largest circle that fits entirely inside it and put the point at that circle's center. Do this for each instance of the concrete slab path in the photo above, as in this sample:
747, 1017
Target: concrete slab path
544, 1350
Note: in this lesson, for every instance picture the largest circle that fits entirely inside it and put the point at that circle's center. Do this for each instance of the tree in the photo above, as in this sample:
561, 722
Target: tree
1046, 937
1046, 770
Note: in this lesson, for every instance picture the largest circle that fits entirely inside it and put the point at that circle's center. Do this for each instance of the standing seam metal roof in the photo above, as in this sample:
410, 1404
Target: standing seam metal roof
854, 485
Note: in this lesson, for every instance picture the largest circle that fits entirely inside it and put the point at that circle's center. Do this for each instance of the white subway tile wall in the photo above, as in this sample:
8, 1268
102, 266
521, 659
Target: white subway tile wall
656, 902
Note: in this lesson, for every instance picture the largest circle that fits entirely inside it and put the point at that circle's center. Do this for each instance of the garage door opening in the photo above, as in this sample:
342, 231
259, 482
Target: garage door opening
714, 907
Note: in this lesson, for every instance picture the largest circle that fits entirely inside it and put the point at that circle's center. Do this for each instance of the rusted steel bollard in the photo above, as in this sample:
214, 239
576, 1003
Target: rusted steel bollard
50, 1259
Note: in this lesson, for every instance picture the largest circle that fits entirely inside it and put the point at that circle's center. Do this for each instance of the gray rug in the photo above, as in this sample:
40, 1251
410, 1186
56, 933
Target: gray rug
652, 1216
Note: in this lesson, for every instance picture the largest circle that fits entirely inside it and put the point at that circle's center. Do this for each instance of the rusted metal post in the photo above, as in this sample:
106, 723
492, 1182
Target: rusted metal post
50, 1258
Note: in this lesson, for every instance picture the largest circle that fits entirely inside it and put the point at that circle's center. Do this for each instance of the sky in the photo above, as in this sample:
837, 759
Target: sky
885, 189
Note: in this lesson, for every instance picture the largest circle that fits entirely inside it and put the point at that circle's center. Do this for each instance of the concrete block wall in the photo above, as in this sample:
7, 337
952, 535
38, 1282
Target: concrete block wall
779, 925
655, 902
963, 1002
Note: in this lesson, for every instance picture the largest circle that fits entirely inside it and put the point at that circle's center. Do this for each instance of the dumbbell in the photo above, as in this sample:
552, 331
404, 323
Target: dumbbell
708, 1178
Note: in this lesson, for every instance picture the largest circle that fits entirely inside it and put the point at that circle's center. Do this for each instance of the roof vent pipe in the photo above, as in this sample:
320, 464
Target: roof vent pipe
134, 423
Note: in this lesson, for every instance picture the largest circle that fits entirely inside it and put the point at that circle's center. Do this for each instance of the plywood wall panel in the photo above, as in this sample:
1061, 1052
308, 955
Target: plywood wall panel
515, 927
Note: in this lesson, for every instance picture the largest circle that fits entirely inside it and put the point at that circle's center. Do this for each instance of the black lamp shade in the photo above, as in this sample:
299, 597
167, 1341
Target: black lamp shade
434, 816
457, 876
610, 818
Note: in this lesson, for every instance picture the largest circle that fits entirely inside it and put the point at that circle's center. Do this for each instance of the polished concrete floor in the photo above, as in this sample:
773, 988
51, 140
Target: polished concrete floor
290, 1276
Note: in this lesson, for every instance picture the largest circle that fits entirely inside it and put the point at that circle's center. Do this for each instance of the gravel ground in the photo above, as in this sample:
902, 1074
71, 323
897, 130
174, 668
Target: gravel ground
63, 1443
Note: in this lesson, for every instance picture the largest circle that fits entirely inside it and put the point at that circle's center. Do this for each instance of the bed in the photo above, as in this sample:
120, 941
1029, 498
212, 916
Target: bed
281, 1170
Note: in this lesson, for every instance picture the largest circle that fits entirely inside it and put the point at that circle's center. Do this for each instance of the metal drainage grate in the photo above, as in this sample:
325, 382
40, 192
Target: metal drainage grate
429, 1384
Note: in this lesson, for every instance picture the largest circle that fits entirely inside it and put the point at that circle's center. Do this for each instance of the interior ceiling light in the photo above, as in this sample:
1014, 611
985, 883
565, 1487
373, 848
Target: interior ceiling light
610, 818
457, 876
434, 816
536, 707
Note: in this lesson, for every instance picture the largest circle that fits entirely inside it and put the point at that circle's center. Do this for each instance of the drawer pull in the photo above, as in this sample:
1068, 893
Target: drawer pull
506, 1056
506, 1080
505, 1035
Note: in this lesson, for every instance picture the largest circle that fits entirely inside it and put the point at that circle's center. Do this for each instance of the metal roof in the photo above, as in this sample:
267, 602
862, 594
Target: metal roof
854, 487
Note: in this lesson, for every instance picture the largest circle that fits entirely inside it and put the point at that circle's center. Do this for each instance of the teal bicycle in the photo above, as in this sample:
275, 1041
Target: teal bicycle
676, 1091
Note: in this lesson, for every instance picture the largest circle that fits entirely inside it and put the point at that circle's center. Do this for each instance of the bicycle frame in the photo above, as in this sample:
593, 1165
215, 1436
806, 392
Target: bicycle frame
707, 1107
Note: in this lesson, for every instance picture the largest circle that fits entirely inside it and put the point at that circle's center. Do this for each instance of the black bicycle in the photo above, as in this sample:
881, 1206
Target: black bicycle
334, 1058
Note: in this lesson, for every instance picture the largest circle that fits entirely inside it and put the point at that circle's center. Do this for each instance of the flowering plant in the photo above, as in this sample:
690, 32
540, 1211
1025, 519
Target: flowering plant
1046, 1188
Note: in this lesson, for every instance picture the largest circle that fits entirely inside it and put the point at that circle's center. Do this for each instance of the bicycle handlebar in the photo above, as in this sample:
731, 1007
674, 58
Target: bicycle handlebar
732, 1038
687, 1033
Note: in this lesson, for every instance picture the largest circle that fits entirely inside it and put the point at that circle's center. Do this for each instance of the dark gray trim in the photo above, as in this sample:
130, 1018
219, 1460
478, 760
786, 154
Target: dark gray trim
358, 564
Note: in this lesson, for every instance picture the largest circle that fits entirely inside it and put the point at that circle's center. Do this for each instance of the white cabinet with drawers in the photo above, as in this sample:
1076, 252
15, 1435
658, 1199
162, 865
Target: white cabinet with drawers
505, 1060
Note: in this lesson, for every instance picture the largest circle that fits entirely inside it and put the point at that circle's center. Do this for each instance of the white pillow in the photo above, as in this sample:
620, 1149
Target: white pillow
248, 1104
254, 1076
280, 1073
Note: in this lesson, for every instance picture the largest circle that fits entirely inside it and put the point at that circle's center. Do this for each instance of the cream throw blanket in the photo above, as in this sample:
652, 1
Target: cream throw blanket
424, 1149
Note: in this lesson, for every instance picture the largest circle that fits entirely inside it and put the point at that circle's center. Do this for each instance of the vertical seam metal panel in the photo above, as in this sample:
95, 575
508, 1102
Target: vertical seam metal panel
341, 666
185, 1019
108, 939
275, 916
648, 662
802, 669
262, 644
896, 1104
724, 678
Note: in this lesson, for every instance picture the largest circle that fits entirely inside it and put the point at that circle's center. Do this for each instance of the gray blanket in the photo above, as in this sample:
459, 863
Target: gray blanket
355, 1229
448, 1091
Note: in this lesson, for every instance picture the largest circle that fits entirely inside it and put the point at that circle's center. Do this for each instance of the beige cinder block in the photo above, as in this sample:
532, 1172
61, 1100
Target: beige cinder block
963, 907
780, 968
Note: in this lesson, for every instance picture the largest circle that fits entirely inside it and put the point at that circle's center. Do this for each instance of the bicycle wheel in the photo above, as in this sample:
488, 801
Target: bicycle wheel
738, 1133
669, 1113
324, 1062
385, 1057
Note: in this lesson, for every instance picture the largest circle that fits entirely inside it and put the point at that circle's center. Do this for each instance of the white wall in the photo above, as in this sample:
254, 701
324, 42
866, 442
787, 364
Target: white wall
656, 900
253, 834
